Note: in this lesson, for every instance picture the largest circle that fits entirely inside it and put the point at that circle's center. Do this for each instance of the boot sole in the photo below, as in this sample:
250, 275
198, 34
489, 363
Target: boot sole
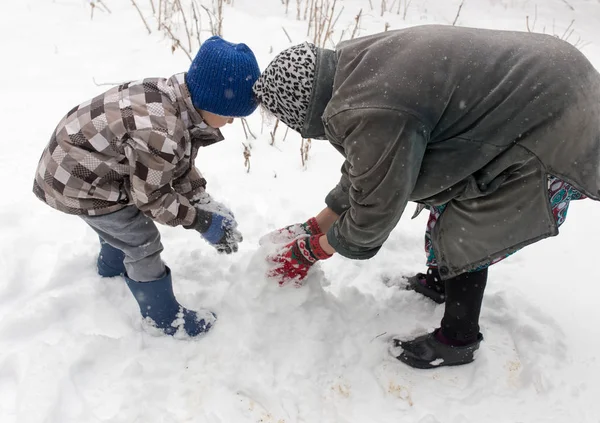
423, 365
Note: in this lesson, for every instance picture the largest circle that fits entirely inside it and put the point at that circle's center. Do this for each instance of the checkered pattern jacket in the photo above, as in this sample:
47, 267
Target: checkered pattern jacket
133, 145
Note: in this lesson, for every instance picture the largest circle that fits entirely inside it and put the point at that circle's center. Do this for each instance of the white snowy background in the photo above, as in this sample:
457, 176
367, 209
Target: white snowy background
71, 344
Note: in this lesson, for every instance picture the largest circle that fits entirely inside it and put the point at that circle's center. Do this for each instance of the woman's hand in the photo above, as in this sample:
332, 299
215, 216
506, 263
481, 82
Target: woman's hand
291, 232
293, 262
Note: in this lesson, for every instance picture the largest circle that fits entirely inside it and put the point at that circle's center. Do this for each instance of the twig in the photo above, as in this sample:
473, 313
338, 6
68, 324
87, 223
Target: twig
458, 13
286, 34
153, 9
306, 6
177, 42
100, 2
274, 131
220, 17
329, 27
378, 336
582, 45
336, 19
304, 149
160, 13
287, 128
312, 14
570, 7
245, 123
357, 19
185, 24
141, 16
406, 6
566, 30
212, 25
534, 21
318, 23
330, 34
247, 155
197, 21
569, 35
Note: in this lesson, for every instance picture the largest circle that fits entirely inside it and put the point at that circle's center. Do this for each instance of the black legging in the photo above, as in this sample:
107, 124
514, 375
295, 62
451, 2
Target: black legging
464, 294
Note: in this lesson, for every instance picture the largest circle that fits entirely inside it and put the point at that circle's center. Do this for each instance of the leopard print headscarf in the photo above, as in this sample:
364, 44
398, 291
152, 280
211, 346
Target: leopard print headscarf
285, 86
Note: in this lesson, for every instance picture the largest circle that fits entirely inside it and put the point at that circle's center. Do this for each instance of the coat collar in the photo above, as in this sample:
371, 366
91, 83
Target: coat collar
189, 114
321, 94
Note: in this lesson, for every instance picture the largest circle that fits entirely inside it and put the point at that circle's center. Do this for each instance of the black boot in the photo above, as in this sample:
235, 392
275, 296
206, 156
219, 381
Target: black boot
459, 337
427, 352
430, 285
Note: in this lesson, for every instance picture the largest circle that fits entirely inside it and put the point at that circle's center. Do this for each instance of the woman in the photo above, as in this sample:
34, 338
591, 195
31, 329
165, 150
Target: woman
493, 131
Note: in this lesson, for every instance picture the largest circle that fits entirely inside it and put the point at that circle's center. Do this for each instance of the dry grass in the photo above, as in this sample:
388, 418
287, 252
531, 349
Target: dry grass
247, 156
567, 35
180, 20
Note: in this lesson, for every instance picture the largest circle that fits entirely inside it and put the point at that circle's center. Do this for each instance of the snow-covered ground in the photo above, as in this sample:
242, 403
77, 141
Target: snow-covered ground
71, 344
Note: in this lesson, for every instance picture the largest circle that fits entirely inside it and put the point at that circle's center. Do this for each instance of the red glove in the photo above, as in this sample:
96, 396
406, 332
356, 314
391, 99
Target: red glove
295, 259
292, 232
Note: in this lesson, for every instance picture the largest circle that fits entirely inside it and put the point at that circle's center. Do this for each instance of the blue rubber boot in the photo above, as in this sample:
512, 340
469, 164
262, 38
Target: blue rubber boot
110, 260
157, 303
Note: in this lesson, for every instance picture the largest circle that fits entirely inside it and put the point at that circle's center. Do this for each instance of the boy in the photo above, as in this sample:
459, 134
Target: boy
125, 159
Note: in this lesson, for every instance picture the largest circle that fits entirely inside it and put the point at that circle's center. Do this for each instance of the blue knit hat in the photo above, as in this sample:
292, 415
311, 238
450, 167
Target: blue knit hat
221, 77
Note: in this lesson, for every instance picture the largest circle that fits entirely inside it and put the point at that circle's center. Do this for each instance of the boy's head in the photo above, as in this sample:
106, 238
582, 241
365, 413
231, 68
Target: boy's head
221, 77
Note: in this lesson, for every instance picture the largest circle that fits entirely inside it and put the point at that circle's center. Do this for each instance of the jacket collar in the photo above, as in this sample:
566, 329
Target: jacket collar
189, 114
321, 94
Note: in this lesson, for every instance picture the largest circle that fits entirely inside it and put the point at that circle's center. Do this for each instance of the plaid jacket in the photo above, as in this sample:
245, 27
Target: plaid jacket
133, 145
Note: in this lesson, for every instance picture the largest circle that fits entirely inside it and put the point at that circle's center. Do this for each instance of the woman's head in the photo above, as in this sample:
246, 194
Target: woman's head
285, 86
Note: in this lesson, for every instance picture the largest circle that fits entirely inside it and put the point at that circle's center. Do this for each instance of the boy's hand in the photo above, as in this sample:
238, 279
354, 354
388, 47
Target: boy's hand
293, 262
218, 230
292, 232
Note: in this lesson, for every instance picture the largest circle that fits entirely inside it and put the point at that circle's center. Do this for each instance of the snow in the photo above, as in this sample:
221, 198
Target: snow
72, 347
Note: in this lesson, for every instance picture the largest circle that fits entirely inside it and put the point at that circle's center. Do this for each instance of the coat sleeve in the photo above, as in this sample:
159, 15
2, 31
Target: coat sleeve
338, 198
192, 182
152, 156
384, 150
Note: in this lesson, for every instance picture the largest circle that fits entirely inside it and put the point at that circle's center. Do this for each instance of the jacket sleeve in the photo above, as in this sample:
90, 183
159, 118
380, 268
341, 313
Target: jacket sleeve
384, 150
152, 156
338, 198
192, 182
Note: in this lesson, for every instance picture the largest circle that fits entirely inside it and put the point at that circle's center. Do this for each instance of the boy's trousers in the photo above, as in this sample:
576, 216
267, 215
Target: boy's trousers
137, 236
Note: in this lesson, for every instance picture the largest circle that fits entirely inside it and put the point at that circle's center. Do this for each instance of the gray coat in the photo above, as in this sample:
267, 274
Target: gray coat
473, 118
